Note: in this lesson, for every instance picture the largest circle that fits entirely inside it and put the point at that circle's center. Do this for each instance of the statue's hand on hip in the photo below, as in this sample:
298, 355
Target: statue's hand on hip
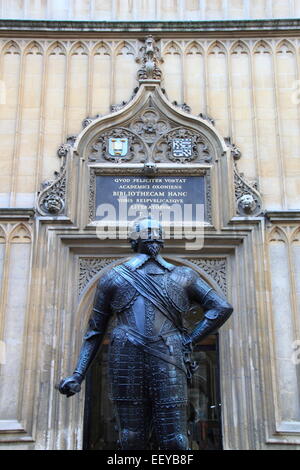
70, 385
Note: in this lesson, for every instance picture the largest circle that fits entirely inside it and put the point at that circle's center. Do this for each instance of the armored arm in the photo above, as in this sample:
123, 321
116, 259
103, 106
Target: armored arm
92, 338
216, 309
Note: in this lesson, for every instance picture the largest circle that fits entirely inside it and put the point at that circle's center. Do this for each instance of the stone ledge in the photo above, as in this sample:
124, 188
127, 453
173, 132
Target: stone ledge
93, 28
16, 213
283, 216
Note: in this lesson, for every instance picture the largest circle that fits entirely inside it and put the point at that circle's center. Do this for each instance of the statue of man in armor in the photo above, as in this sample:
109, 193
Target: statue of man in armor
149, 356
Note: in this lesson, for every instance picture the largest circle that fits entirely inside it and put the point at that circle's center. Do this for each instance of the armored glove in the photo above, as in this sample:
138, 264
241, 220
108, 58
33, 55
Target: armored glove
70, 385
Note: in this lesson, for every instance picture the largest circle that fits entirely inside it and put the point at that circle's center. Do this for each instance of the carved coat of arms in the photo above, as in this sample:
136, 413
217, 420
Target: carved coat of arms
118, 146
182, 147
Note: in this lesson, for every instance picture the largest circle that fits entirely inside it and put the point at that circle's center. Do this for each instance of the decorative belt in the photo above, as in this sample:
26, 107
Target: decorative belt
142, 342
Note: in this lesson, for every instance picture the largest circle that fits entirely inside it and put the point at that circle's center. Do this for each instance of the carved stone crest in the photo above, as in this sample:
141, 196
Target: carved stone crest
183, 145
117, 145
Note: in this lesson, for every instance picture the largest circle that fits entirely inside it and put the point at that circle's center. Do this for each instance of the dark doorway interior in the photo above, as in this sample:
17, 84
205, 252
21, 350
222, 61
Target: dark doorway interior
204, 412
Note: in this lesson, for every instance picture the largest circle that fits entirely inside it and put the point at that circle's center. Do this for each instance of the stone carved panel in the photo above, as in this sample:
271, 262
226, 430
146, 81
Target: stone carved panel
52, 197
149, 58
90, 267
183, 145
215, 268
150, 125
247, 197
153, 136
135, 147
248, 200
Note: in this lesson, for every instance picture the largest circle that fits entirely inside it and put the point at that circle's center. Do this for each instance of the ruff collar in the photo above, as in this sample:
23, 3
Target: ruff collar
138, 260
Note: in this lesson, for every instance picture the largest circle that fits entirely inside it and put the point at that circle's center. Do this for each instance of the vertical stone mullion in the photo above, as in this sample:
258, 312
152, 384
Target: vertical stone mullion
101, 93
16, 147
243, 121
279, 134
27, 155
41, 130
78, 81
286, 377
4, 281
194, 78
54, 108
89, 90
294, 267
218, 86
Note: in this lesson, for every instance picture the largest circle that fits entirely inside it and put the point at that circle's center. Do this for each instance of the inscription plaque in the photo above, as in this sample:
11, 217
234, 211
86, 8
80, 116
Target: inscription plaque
137, 194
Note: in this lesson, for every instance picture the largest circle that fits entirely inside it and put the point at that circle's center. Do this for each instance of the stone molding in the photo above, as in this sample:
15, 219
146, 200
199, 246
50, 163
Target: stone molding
271, 27
288, 216
16, 213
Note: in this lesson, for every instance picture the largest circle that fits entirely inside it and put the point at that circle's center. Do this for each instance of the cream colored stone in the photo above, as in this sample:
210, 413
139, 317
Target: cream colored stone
214, 10
145, 10
237, 90
237, 9
281, 9
259, 9
103, 10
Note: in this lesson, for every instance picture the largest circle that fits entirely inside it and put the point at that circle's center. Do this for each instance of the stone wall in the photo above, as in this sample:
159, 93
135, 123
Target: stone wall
245, 77
248, 86
120, 10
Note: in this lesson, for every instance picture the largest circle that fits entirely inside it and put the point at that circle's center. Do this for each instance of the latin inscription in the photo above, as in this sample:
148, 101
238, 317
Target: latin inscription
139, 193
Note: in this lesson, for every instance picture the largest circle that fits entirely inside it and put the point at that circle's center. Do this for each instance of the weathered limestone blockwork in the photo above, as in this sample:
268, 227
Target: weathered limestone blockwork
149, 10
246, 81
249, 87
15, 277
282, 245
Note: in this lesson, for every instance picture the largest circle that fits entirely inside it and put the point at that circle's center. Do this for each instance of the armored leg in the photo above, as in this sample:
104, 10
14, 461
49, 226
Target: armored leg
134, 425
170, 427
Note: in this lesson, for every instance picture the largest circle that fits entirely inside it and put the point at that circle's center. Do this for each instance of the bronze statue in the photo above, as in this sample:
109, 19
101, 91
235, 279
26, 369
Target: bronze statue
149, 357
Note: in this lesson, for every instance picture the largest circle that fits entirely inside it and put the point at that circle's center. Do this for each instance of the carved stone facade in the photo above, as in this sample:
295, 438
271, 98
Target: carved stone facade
215, 268
180, 90
89, 267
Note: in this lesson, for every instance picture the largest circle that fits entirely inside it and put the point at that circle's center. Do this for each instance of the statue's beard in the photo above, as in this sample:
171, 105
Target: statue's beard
151, 248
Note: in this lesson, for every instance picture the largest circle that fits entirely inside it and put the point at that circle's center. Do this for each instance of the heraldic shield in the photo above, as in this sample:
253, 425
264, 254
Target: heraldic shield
118, 146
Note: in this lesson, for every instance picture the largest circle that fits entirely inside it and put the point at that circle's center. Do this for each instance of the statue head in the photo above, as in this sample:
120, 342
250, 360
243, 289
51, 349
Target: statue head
147, 236
53, 204
247, 203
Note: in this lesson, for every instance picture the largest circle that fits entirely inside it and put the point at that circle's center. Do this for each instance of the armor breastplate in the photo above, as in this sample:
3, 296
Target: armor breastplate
176, 291
124, 297
137, 311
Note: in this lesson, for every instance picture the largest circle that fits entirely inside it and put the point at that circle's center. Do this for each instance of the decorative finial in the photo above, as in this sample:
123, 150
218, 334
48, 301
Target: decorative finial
149, 56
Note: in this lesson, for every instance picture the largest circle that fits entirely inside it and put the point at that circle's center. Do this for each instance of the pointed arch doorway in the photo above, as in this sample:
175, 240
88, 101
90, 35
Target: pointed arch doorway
204, 407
